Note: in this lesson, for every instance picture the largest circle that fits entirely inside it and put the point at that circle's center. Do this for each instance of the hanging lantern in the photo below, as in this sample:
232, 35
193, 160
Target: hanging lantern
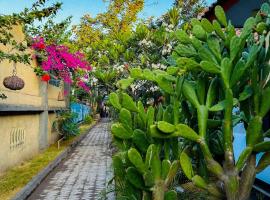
13, 82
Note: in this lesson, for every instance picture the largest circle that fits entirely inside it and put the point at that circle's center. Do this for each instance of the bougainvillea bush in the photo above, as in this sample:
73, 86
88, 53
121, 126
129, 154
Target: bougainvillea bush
58, 62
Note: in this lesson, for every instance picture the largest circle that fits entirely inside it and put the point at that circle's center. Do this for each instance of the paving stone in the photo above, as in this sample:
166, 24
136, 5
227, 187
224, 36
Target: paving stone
83, 175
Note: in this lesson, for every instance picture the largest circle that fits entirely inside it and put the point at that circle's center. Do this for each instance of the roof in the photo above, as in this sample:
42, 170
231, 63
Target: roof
209, 12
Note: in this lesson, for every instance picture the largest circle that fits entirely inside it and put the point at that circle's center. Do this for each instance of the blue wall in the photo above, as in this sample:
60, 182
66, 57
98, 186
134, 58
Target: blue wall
81, 110
239, 145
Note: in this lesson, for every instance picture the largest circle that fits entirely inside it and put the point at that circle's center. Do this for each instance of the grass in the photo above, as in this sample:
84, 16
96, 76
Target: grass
13, 180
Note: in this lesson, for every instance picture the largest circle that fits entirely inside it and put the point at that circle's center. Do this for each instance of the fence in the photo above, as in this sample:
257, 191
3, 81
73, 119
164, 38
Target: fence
81, 110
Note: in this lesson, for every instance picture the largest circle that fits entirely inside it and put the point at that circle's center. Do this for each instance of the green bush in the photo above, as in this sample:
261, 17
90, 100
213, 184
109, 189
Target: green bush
88, 119
65, 124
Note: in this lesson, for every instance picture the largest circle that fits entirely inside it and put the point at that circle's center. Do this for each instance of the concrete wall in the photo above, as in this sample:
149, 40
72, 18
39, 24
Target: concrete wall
27, 115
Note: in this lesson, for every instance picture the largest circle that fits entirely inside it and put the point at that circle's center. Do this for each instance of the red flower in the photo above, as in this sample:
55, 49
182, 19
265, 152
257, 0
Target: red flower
41, 46
45, 77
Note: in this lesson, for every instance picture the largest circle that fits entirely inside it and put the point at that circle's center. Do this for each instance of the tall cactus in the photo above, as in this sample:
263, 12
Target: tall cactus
213, 70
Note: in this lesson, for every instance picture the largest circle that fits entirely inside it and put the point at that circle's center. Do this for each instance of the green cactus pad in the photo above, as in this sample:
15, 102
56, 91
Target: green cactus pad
128, 103
135, 178
118, 130
170, 195
165, 127
114, 100
136, 159
186, 165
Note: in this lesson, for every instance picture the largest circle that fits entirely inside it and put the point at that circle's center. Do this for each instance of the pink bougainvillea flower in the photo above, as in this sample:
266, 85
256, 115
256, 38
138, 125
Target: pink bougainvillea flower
83, 85
59, 60
38, 43
65, 92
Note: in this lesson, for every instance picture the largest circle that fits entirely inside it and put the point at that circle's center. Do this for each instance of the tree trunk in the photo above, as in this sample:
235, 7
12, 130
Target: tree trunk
159, 190
232, 187
247, 178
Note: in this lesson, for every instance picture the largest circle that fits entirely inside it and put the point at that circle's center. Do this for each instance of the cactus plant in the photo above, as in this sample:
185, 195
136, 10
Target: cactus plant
213, 70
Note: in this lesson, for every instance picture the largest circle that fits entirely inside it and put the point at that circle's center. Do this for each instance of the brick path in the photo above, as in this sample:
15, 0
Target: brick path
83, 175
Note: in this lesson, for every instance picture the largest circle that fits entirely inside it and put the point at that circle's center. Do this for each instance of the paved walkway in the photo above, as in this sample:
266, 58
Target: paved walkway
83, 175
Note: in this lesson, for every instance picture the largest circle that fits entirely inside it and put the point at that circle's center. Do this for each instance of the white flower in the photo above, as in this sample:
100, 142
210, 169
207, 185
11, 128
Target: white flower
170, 26
95, 80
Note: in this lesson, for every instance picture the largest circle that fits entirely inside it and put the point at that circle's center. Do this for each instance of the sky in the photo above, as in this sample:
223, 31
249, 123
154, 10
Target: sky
77, 8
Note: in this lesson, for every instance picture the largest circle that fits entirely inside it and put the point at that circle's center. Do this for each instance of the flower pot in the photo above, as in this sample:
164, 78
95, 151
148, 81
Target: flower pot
13, 82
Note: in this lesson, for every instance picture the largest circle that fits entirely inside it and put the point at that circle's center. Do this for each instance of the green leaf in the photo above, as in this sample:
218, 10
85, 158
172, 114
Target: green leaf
185, 51
265, 105
142, 112
218, 30
247, 92
261, 27
237, 73
136, 73
210, 67
199, 182
182, 36
214, 46
236, 47
125, 83
149, 155
263, 162
262, 147
190, 94
149, 179
125, 117
221, 16
140, 140
135, 158
128, 103
243, 158
170, 195
207, 26
206, 55
155, 164
172, 172
199, 32
248, 27
148, 75
135, 178
165, 167
159, 115
172, 70
185, 131
118, 130
118, 165
211, 94
114, 100
195, 21
200, 90
221, 105
186, 165
254, 131
164, 84
165, 127
150, 116
187, 63
226, 68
